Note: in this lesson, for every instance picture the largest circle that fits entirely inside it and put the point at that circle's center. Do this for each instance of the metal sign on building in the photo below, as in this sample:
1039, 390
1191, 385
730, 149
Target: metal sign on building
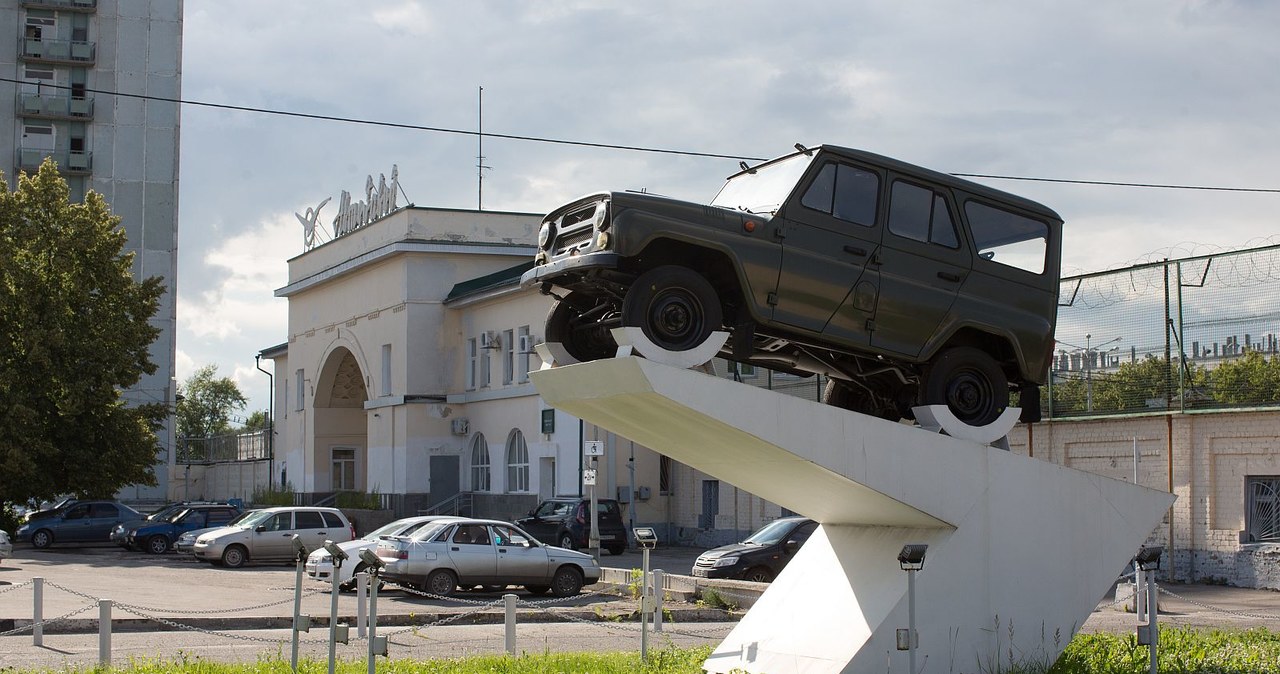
379, 201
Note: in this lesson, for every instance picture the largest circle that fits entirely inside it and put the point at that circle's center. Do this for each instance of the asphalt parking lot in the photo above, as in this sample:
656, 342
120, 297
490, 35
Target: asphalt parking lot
170, 606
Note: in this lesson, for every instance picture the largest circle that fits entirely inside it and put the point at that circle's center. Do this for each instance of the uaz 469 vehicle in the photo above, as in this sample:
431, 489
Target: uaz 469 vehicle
905, 286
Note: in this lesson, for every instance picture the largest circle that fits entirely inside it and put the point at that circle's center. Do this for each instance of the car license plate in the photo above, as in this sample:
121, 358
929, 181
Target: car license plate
701, 573
606, 537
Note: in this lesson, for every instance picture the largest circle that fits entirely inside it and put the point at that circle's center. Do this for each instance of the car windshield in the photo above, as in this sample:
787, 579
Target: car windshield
253, 519
763, 188
429, 531
770, 533
386, 530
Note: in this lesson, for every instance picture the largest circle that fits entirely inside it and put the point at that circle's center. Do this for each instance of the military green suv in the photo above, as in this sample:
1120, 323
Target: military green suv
905, 286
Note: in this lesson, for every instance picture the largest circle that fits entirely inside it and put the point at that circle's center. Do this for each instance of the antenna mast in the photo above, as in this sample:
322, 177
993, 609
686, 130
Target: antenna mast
480, 167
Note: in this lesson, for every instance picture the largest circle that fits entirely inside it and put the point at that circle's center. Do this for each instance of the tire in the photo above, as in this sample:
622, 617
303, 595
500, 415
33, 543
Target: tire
675, 306
441, 582
588, 341
567, 582
758, 574
42, 539
157, 545
616, 550
566, 541
235, 556
537, 590
969, 382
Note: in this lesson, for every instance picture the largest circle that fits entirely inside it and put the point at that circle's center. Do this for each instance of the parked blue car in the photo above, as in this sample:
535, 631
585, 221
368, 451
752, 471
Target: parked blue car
79, 522
157, 537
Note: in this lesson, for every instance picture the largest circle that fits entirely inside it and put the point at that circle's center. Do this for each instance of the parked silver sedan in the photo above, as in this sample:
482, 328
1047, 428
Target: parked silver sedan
446, 555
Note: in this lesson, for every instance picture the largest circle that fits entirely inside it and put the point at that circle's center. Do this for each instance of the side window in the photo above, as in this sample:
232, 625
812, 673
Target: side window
332, 521
1007, 238
471, 534
103, 510
921, 214
844, 192
77, 513
509, 536
308, 519
220, 516
802, 534
547, 509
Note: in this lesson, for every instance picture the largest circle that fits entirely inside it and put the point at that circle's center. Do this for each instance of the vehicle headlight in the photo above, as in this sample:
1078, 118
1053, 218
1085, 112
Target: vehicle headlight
203, 541
324, 559
726, 561
545, 234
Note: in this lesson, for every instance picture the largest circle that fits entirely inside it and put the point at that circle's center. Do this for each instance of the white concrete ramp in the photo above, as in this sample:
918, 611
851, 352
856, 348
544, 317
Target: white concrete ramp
1020, 550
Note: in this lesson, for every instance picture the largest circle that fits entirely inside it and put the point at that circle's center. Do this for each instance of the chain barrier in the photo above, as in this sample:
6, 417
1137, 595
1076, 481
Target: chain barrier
184, 611
11, 588
228, 635
1207, 607
440, 622
50, 621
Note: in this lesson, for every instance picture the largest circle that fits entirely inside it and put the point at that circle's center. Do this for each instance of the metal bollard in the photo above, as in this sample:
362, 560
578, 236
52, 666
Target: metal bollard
37, 612
658, 582
509, 603
104, 632
361, 620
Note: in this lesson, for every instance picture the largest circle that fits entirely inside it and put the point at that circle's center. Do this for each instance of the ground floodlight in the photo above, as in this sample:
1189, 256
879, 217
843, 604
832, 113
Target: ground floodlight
368, 557
1149, 557
645, 536
338, 555
912, 556
298, 547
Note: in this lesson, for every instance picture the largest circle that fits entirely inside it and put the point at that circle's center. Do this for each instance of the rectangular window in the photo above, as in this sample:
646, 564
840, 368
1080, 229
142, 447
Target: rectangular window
919, 213
844, 192
1262, 513
473, 371
485, 369
524, 345
1008, 238
508, 357
664, 474
386, 369
344, 468
298, 385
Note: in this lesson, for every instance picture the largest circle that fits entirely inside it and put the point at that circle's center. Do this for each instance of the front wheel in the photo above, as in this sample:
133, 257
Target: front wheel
157, 545
567, 582
234, 557
42, 539
969, 382
758, 574
675, 306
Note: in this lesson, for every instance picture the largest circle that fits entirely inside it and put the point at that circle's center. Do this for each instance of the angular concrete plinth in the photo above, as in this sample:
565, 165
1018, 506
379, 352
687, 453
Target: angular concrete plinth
1020, 550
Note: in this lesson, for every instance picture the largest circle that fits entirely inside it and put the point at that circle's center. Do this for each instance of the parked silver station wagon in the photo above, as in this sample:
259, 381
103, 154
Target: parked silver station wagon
442, 557
266, 535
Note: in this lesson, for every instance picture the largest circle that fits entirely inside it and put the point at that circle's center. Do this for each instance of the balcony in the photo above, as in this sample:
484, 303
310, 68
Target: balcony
70, 163
43, 106
85, 6
66, 52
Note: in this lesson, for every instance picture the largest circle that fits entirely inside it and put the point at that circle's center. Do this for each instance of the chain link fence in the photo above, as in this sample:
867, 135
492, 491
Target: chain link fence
1176, 335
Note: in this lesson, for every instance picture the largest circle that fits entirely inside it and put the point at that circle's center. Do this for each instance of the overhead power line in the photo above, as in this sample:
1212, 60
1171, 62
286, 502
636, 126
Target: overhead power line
606, 146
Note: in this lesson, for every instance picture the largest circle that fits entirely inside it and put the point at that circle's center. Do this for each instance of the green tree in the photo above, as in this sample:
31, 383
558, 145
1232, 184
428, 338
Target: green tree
257, 421
1249, 380
207, 403
74, 332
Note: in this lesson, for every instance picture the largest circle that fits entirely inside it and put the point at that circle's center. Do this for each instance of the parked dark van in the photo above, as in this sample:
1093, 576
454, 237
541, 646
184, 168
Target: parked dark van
566, 522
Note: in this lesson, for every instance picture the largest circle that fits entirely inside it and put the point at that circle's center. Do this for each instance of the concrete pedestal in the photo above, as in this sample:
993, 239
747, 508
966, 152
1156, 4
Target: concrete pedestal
1020, 550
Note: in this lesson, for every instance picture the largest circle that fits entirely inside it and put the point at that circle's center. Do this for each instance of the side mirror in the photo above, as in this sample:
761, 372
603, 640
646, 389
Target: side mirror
260, 528
791, 546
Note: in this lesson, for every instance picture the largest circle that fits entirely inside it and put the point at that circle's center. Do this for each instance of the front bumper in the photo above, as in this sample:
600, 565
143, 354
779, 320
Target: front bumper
569, 265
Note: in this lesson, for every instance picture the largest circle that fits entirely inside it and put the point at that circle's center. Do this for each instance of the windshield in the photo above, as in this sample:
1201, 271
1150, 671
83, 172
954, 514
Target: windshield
388, 530
771, 533
253, 519
764, 188
429, 531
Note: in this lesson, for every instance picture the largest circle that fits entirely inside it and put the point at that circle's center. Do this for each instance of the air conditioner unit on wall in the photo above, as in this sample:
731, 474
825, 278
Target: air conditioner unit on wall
460, 426
526, 343
490, 340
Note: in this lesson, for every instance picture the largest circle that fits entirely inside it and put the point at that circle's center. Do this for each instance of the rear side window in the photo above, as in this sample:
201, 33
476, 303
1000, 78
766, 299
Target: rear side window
308, 519
221, 516
331, 521
845, 193
103, 510
1008, 238
921, 214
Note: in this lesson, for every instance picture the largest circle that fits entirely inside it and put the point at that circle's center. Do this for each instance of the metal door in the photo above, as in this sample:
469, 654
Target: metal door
710, 504
518, 562
444, 476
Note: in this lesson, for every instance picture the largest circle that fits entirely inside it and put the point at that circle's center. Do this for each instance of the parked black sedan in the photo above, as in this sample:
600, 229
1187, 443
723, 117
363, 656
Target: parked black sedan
762, 556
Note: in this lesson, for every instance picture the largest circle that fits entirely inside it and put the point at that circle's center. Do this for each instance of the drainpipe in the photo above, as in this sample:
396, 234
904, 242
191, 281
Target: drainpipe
271, 426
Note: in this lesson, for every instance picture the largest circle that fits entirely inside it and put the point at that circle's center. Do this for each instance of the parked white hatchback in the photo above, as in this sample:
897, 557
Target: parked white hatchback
6, 545
267, 535
320, 563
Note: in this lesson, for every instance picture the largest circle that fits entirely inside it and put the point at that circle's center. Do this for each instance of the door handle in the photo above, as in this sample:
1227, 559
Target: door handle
854, 250
948, 276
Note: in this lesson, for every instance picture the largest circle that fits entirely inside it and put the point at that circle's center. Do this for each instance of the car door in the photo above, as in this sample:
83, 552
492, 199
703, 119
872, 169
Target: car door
520, 561
273, 539
74, 524
924, 262
473, 555
311, 527
544, 523
830, 238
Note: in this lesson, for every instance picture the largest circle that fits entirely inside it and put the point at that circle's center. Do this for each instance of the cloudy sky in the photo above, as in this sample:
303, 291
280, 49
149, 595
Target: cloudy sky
1155, 91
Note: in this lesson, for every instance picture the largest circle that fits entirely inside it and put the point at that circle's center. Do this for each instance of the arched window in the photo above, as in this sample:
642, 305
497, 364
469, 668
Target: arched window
517, 462
479, 463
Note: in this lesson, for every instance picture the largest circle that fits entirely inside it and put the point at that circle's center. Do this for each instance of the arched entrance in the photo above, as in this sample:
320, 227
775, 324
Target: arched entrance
341, 432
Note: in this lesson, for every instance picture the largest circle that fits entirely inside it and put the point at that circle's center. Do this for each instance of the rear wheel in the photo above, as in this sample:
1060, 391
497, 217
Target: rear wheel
585, 338
441, 582
567, 582
566, 541
157, 545
675, 306
969, 382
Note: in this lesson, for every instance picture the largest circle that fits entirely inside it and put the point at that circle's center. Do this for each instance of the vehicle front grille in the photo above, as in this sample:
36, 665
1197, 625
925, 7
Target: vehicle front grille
575, 239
